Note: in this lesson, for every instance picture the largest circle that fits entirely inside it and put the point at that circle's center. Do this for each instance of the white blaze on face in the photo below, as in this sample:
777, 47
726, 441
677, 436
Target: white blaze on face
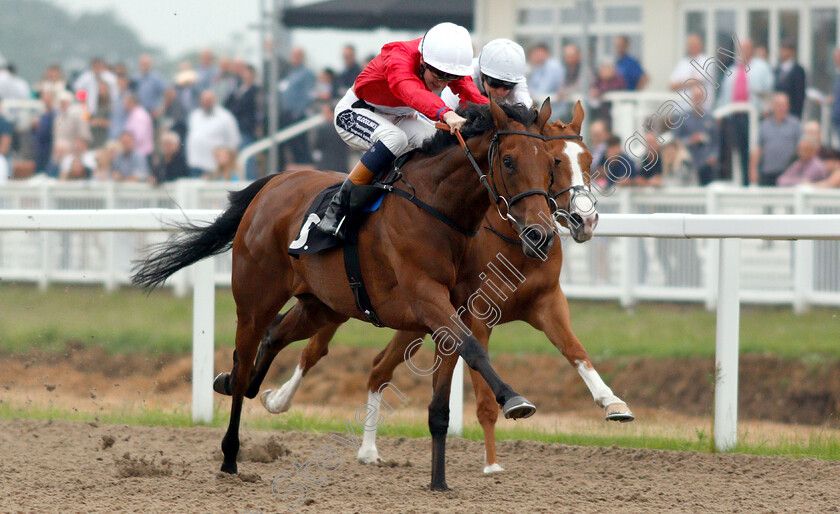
573, 151
582, 204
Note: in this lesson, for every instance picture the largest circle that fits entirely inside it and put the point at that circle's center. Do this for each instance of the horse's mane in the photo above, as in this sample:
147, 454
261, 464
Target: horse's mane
479, 121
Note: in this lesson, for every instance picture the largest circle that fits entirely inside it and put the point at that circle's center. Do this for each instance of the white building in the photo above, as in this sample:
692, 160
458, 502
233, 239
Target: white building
657, 29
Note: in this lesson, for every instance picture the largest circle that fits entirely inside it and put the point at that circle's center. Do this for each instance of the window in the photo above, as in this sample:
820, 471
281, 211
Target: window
559, 24
724, 28
823, 40
759, 28
622, 14
576, 40
536, 16
695, 23
788, 26
529, 42
573, 15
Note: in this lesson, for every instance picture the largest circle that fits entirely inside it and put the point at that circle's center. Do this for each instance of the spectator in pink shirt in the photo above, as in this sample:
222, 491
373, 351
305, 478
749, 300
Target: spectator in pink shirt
138, 123
808, 168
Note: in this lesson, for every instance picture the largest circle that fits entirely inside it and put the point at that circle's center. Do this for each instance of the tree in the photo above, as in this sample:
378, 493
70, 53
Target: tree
35, 34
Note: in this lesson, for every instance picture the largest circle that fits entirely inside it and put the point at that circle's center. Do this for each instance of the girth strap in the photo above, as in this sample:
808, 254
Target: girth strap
353, 268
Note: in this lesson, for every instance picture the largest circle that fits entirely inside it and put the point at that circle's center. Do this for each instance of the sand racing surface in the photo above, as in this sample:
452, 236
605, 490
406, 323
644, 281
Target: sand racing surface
59, 466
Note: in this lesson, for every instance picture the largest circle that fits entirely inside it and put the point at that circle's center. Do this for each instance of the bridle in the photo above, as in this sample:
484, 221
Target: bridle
489, 184
574, 192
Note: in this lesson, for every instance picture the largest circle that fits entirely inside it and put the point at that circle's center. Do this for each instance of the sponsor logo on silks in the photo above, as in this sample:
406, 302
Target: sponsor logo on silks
313, 219
357, 124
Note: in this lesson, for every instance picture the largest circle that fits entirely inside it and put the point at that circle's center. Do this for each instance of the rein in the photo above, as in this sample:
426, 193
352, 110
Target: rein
573, 190
491, 156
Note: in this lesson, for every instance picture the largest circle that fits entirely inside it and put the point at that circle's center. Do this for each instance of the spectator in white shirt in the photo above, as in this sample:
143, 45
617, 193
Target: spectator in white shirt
209, 127
89, 82
80, 151
685, 71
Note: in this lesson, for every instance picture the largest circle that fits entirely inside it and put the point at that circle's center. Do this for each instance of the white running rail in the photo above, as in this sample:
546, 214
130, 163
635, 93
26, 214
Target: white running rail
729, 229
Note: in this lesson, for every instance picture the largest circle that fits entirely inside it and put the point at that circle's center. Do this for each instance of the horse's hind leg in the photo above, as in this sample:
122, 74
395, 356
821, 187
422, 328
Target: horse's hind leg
253, 316
302, 321
384, 365
552, 317
306, 318
280, 400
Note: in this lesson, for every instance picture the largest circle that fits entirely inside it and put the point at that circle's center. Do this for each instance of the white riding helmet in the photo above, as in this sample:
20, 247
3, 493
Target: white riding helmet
448, 48
502, 59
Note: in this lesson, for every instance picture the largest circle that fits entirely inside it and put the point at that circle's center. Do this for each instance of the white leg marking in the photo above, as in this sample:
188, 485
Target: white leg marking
603, 395
489, 469
281, 400
493, 468
368, 454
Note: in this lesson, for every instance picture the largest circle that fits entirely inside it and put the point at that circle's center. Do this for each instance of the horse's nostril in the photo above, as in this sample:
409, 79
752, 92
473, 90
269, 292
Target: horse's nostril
577, 219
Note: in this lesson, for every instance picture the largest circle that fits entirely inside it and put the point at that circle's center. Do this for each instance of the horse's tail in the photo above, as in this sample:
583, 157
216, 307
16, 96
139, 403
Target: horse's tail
196, 242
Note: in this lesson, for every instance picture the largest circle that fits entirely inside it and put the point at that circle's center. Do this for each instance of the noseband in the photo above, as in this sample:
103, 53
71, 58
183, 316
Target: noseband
489, 185
574, 191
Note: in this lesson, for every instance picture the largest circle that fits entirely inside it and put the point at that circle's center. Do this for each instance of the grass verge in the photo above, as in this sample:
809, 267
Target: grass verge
818, 446
130, 321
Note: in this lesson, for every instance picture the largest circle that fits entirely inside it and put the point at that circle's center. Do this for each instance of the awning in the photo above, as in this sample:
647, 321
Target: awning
369, 14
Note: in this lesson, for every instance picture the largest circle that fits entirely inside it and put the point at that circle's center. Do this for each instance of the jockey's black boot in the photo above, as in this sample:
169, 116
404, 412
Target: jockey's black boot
376, 160
337, 211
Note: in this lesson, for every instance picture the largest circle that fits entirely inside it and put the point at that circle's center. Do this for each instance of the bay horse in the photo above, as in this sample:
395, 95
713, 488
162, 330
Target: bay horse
410, 260
539, 301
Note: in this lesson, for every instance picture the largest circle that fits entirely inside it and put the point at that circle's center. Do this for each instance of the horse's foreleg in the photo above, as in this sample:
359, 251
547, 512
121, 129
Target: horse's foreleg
439, 417
280, 400
487, 411
552, 317
384, 365
448, 331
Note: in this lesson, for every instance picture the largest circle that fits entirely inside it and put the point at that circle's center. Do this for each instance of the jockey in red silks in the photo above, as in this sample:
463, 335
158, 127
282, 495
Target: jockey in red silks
392, 105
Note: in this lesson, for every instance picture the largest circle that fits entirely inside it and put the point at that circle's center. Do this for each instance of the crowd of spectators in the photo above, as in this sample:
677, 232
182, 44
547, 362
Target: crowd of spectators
700, 149
107, 123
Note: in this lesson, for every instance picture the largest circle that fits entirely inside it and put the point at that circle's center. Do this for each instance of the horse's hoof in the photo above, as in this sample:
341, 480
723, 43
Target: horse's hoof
518, 407
369, 457
439, 487
220, 384
264, 399
618, 412
493, 469
229, 468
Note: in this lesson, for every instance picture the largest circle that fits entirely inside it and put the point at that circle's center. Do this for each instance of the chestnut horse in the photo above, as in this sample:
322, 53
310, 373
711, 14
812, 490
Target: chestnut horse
410, 260
539, 301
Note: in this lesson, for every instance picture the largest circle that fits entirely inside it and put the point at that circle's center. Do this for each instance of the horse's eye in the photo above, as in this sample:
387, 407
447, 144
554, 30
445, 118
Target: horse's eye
508, 161
557, 162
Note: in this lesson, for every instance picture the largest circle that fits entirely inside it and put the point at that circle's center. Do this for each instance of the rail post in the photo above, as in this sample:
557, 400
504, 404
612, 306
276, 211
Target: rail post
726, 345
204, 291
803, 262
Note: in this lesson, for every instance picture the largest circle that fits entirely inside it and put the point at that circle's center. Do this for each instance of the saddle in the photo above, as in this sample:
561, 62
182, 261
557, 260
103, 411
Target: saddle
363, 201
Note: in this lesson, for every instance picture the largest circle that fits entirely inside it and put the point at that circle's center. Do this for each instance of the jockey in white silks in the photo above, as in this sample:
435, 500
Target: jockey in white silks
499, 74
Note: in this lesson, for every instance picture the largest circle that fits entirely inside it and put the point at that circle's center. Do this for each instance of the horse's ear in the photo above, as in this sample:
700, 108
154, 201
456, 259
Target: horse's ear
577, 119
544, 115
499, 116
